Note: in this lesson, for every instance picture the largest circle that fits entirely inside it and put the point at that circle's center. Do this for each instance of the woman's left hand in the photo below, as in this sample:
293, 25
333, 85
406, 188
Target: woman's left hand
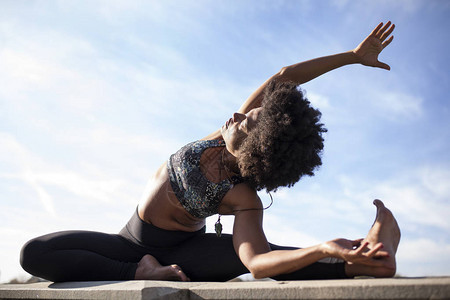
357, 251
367, 52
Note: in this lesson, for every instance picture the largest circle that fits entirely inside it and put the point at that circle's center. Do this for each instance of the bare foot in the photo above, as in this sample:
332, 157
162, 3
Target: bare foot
384, 230
150, 269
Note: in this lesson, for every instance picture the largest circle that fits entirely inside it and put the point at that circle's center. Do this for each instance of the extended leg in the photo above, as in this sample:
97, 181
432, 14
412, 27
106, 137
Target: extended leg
210, 258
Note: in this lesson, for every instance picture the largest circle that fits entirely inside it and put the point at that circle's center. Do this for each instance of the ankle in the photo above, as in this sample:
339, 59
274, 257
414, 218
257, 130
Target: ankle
353, 270
139, 273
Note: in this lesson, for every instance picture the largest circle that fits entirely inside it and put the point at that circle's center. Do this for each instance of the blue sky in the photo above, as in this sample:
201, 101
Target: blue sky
95, 95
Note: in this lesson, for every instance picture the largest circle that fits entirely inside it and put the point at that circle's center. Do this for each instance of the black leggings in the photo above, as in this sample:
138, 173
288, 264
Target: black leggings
87, 255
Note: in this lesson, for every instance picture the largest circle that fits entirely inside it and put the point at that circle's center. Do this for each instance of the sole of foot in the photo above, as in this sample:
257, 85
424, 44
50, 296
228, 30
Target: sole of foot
385, 229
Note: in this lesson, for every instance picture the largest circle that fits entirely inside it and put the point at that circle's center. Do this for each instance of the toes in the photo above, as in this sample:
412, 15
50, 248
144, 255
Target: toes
178, 273
378, 203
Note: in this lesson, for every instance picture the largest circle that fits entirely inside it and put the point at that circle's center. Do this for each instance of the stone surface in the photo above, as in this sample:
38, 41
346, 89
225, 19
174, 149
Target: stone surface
98, 290
395, 288
398, 288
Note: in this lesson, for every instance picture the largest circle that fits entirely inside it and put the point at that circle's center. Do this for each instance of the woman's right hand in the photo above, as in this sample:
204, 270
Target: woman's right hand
367, 52
357, 251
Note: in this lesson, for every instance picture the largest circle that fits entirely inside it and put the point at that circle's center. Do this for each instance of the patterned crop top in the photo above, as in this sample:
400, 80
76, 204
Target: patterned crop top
199, 196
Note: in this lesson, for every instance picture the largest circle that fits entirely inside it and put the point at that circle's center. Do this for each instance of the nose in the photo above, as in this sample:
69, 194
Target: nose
238, 117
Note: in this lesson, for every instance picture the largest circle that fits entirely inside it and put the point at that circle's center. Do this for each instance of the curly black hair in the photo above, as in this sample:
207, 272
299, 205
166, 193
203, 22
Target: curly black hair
287, 142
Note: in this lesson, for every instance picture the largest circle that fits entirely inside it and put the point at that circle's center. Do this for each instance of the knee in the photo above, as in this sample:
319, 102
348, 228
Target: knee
29, 255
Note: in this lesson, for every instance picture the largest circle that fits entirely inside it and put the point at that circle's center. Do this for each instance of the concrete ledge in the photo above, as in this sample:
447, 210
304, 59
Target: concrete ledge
398, 288
136, 289
395, 288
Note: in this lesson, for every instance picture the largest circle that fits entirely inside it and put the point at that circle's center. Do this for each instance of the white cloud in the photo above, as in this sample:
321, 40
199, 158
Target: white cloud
436, 181
16, 159
423, 257
418, 201
319, 101
11, 243
399, 105
410, 194
281, 230
413, 250
23, 165
46, 200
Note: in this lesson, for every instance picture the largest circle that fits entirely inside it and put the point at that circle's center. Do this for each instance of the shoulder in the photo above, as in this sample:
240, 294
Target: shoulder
214, 136
240, 197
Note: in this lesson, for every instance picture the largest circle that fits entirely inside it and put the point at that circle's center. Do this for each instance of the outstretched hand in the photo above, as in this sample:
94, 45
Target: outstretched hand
369, 49
357, 251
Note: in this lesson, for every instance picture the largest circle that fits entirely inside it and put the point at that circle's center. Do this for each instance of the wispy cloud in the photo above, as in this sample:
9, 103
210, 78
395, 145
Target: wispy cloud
435, 263
19, 163
90, 108
398, 106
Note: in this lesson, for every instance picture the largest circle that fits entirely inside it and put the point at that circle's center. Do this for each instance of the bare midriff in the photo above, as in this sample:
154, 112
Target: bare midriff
159, 205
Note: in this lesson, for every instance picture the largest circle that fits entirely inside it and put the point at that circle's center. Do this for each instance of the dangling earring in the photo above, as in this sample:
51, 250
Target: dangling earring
218, 227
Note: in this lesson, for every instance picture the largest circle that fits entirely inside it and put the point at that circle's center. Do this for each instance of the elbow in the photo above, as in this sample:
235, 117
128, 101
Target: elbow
258, 275
282, 72
258, 272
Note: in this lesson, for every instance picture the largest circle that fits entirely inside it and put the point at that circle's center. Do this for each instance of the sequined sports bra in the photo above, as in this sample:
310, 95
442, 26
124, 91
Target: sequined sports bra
199, 196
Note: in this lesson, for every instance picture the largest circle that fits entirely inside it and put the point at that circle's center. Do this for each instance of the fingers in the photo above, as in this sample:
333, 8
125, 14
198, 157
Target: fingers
383, 65
375, 31
357, 243
387, 33
387, 42
360, 249
381, 254
382, 30
374, 250
381, 33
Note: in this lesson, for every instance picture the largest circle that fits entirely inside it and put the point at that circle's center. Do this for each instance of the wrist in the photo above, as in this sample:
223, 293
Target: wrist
353, 57
329, 249
325, 250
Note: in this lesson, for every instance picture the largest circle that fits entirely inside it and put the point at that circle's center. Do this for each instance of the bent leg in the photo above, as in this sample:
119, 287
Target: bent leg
149, 268
80, 256
205, 257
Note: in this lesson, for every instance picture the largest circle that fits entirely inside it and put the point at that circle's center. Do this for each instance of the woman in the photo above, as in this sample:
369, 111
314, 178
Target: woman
273, 140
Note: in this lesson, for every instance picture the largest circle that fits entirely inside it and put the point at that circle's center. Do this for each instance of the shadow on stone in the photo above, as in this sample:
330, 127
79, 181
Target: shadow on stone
80, 284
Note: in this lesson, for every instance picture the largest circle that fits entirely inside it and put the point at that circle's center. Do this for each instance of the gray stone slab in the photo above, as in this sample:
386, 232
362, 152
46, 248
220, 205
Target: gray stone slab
136, 289
394, 288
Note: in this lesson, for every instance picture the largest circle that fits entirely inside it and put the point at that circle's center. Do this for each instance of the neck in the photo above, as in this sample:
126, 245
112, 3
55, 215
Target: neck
229, 161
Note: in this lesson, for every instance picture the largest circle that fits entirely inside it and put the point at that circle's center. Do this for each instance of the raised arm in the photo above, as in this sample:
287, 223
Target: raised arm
366, 53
